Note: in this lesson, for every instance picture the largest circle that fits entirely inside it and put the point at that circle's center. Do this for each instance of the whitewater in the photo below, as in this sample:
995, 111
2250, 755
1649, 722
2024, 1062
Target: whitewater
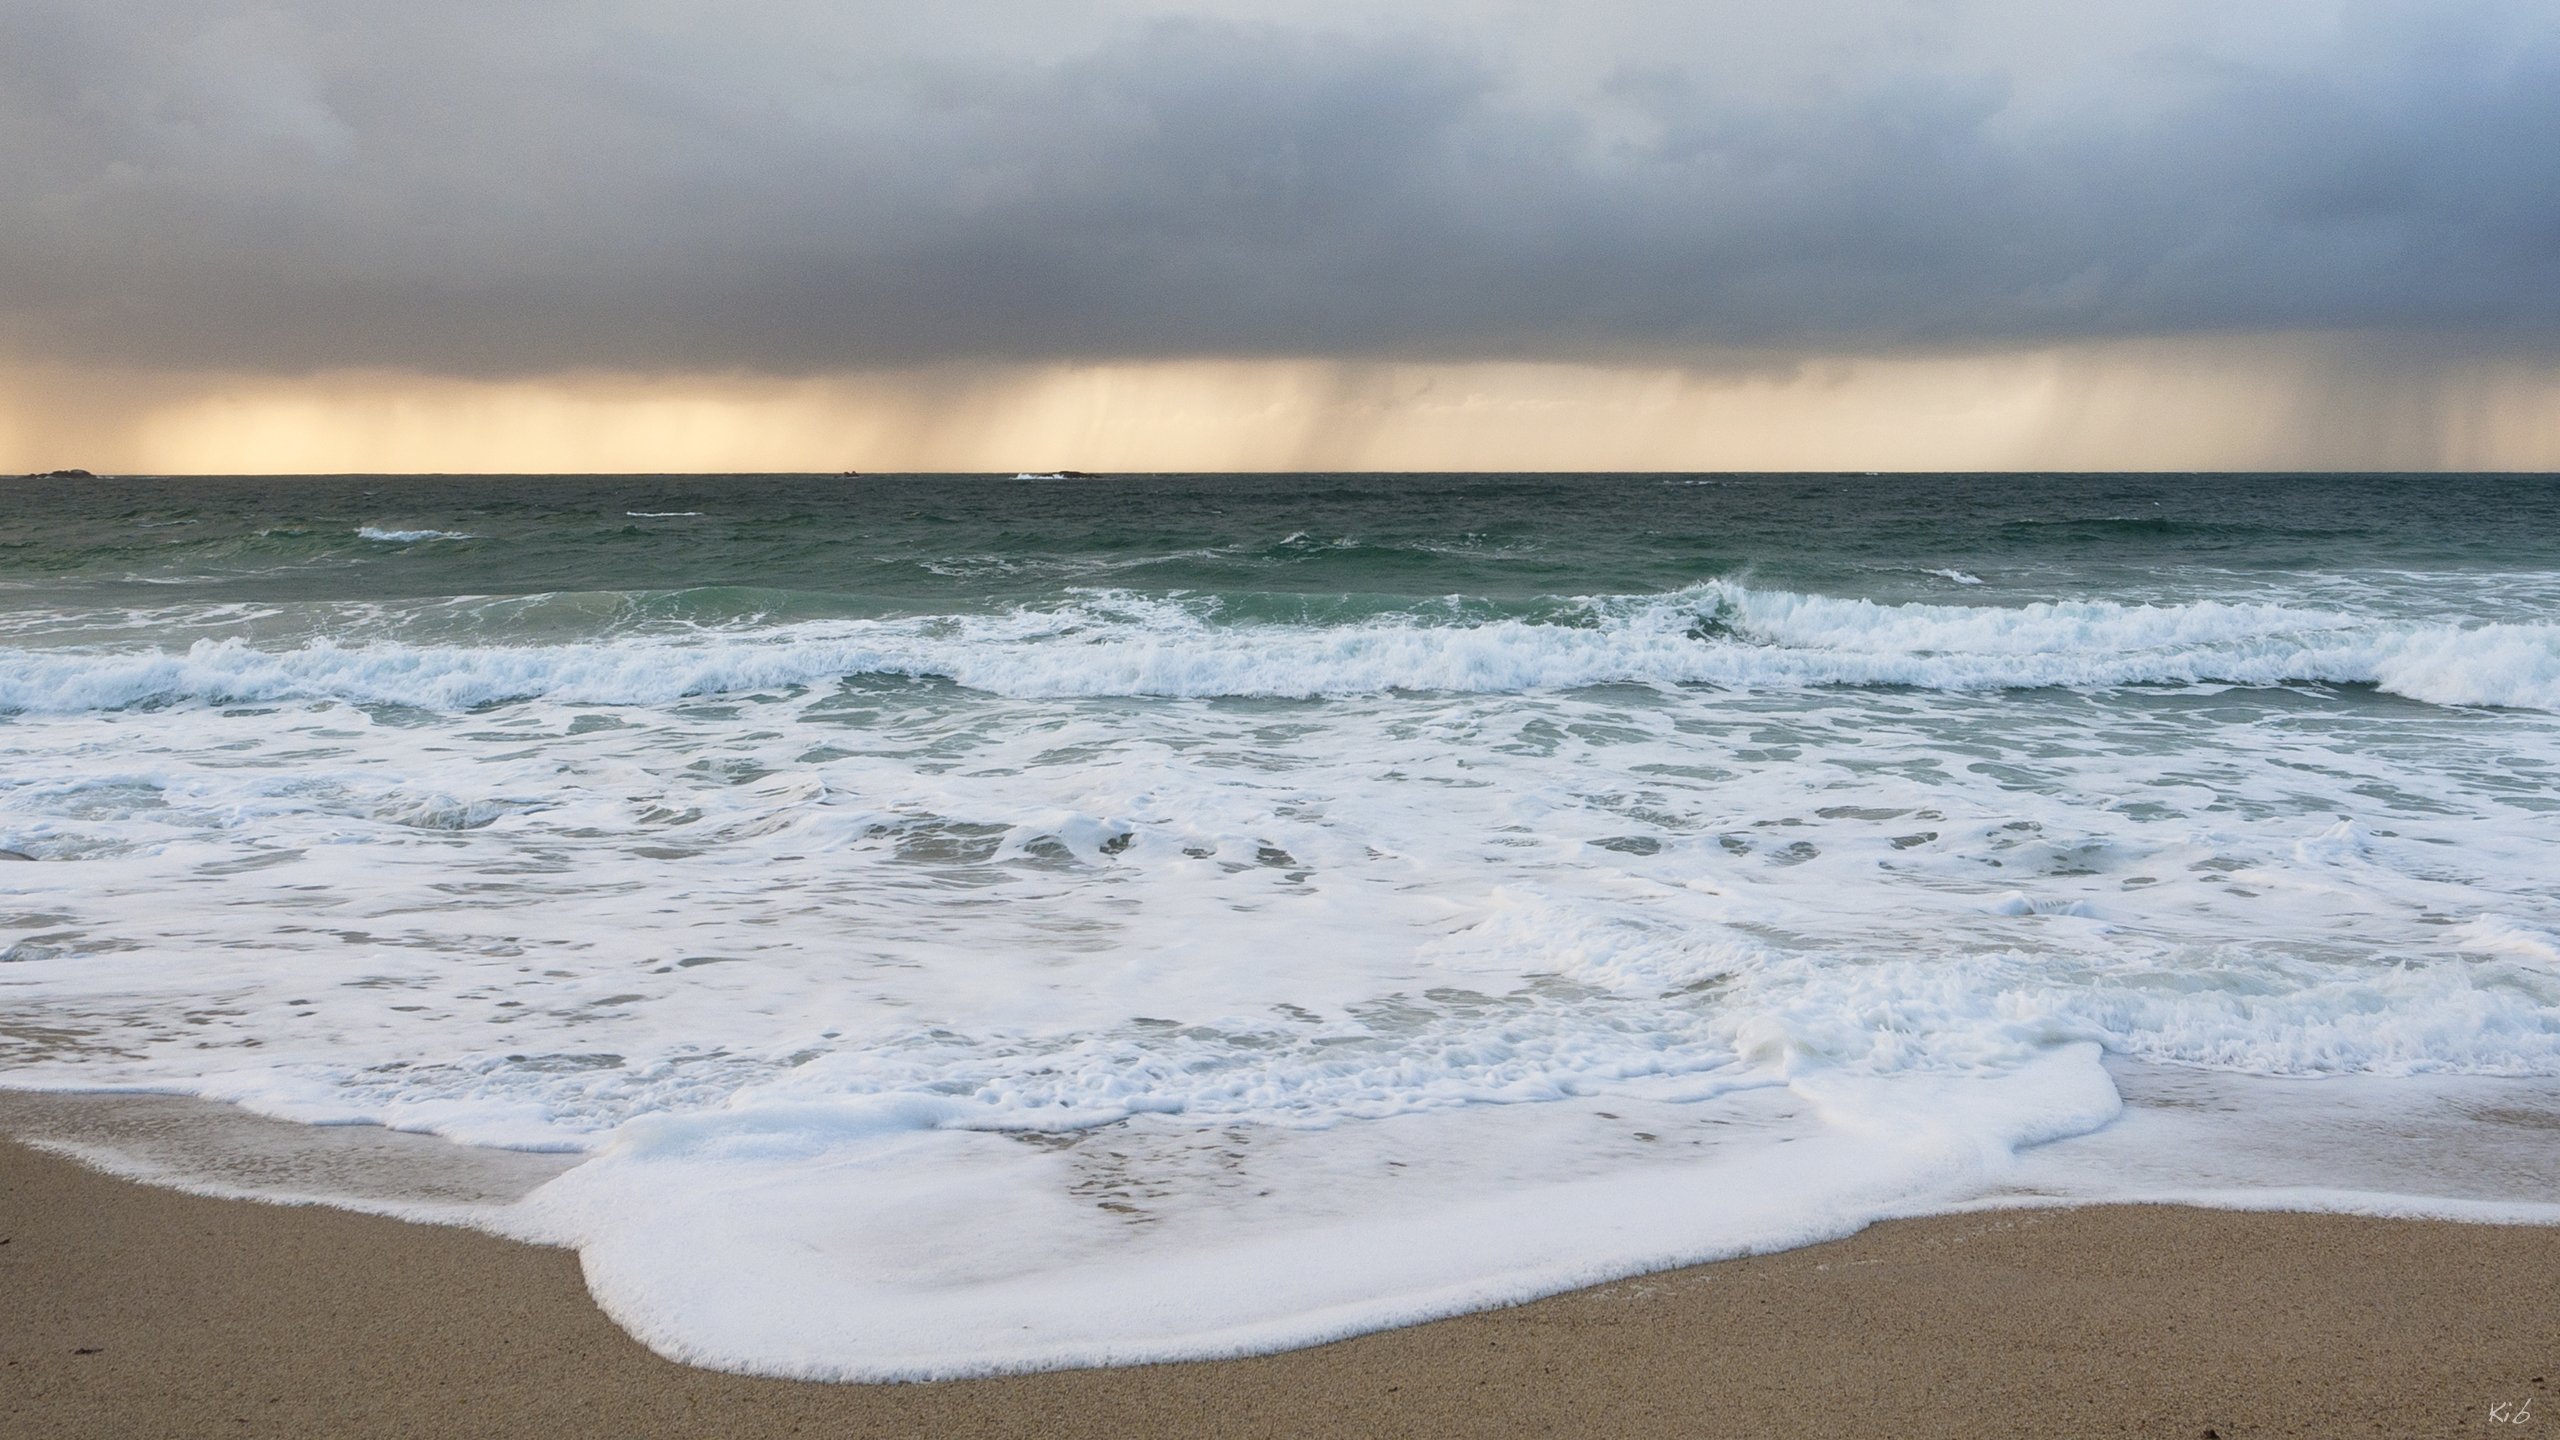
1108, 644
945, 925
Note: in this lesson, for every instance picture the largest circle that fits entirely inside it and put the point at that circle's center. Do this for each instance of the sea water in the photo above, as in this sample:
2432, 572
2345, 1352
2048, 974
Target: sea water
971, 923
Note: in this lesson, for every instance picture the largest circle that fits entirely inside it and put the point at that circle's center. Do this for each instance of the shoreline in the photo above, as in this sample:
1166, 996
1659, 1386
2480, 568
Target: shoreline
142, 1310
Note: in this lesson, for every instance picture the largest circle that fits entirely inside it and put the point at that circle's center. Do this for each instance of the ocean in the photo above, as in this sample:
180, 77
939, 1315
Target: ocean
960, 924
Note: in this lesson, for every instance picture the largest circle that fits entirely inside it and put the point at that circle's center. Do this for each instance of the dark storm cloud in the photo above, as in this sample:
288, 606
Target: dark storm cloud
494, 190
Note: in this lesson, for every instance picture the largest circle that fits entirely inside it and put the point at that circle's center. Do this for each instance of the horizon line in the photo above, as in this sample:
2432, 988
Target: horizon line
1071, 473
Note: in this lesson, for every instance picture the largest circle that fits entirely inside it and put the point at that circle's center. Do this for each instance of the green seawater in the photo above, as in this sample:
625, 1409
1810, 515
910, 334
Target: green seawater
1315, 549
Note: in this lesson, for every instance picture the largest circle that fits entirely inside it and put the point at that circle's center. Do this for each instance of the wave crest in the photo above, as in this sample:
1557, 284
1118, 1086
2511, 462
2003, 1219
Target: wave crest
1719, 633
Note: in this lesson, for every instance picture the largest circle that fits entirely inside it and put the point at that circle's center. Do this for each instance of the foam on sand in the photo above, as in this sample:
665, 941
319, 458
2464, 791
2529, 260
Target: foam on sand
888, 1246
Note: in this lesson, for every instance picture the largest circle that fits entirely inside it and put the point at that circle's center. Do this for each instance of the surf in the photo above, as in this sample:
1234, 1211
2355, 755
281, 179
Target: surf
1719, 634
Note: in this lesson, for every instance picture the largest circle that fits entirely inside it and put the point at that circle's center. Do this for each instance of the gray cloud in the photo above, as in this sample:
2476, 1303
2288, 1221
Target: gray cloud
486, 189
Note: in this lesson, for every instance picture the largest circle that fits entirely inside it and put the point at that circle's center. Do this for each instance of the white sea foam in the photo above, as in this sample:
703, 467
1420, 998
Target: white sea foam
854, 1273
1720, 634
935, 1029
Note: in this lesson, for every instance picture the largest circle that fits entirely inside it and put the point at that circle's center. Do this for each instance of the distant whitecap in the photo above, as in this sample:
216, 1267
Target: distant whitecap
409, 537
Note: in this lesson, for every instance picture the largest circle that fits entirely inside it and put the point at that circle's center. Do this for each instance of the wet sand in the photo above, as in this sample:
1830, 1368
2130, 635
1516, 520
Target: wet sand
131, 1310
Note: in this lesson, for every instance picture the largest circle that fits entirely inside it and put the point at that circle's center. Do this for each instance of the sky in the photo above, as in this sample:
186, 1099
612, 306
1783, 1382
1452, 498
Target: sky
1859, 234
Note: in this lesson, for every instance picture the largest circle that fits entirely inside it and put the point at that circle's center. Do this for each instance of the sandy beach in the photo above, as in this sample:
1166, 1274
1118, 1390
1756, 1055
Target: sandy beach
141, 1311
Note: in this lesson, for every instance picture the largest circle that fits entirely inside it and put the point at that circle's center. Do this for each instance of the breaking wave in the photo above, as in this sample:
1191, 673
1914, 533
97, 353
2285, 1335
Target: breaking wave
1716, 634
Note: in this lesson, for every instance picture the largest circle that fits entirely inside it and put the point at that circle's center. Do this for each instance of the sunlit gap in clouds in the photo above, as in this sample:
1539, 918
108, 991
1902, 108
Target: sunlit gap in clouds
2251, 403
